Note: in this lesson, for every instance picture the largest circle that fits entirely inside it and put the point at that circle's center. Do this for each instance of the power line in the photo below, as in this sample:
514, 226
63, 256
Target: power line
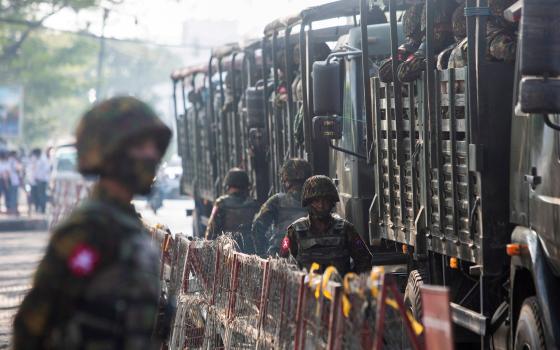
40, 26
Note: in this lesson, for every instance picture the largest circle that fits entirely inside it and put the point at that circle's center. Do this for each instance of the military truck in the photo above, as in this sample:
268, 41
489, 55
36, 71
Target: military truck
464, 161
246, 111
452, 172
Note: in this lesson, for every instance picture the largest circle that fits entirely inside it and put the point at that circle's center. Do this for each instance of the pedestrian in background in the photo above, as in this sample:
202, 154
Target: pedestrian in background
4, 178
14, 182
42, 175
30, 184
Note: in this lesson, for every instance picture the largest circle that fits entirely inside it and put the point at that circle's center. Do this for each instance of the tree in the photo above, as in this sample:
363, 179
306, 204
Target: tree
58, 70
30, 15
54, 70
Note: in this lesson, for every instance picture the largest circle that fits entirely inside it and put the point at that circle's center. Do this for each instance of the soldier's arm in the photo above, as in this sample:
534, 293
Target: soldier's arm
214, 228
262, 222
358, 250
503, 47
288, 245
60, 277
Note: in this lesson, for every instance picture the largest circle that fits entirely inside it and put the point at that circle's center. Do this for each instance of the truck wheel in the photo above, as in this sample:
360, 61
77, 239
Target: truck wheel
530, 331
412, 298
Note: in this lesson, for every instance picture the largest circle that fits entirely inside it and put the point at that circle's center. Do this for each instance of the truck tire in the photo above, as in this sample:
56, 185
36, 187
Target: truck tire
530, 330
412, 297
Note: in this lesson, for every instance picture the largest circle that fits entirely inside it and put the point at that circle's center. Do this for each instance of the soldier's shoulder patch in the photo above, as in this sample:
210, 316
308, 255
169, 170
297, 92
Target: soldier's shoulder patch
83, 260
285, 246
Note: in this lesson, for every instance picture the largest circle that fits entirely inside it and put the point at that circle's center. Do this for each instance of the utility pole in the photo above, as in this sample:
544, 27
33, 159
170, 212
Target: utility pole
101, 57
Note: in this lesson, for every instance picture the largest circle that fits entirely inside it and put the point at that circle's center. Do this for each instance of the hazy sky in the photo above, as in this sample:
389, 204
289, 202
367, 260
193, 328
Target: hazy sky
162, 20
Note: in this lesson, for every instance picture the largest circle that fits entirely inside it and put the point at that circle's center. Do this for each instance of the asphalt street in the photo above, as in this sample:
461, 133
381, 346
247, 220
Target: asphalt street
172, 214
19, 254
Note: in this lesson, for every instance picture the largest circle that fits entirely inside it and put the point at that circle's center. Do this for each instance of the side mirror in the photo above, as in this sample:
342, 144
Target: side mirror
327, 99
539, 96
539, 41
540, 38
327, 88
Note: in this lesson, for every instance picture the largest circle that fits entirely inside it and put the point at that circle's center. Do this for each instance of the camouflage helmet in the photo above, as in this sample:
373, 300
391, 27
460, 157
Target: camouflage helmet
443, 29
318, 186
296, 170
497, 7
108, 127
237, 177
411, 22
459, 22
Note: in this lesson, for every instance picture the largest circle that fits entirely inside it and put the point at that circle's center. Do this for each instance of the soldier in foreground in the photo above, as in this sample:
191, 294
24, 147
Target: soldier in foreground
322, 237
97, 286
234, 211
280, 210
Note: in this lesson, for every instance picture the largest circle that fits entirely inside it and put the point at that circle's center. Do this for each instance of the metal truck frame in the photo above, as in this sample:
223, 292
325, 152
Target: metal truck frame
453, 173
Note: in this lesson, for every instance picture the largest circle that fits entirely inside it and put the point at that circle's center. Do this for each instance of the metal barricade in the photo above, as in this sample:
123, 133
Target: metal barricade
178, 259
395, 328
196, 294
281, 300
66, 194
231, 300
355, 329
246, 301
319, 311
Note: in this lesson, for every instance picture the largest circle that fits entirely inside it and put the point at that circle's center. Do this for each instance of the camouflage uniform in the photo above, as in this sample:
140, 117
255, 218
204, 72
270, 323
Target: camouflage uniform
299, 136
500, 37
229, 93
297, 92
459, 25
97, 287
414, 65
280, 210
320, 53
335, 246
234, 212
413, 34
501, 40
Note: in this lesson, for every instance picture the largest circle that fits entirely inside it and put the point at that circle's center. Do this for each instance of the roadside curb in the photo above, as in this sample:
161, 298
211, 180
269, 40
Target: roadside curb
12, 225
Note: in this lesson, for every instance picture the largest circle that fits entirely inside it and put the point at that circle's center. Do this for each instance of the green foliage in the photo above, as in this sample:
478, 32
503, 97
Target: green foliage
55, 71
58, 70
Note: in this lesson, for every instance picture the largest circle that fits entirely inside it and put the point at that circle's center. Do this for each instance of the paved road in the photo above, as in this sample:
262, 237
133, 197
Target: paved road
19, 254
172, 214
